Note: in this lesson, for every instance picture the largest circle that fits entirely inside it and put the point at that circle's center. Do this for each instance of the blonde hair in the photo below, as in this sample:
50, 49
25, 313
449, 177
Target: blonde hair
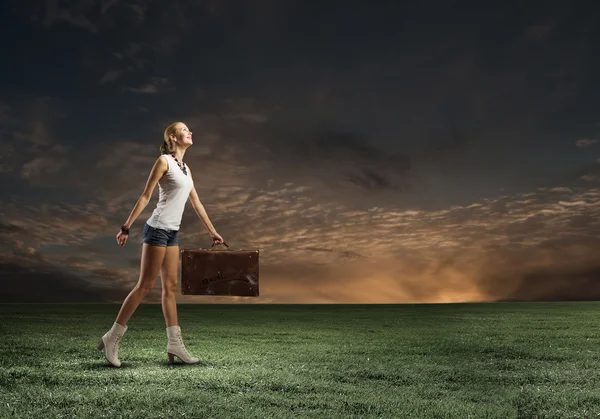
167, 145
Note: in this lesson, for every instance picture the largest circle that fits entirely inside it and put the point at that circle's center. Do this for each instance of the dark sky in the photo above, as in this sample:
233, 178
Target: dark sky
375, 152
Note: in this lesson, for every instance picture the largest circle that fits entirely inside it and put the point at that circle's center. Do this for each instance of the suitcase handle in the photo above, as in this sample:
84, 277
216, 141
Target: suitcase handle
213, 245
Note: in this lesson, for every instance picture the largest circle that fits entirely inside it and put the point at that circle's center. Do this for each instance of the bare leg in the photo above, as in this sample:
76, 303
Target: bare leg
152, 259
168, 277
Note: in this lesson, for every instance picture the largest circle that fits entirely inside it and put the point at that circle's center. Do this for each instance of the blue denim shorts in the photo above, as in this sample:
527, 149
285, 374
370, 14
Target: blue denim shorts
159, 237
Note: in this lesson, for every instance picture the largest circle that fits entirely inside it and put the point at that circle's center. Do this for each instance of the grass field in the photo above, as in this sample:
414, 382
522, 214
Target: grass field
509, 360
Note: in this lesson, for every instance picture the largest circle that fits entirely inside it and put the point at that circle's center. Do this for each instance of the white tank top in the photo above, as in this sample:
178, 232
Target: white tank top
174, 190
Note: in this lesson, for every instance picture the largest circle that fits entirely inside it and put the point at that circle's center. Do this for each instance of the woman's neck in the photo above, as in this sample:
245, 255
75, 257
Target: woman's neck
178, 154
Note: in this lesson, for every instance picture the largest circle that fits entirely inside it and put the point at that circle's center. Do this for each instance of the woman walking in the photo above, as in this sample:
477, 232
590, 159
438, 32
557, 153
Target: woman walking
160, 248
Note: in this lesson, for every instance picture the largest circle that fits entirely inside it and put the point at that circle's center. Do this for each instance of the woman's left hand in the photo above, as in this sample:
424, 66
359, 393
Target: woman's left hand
216, 238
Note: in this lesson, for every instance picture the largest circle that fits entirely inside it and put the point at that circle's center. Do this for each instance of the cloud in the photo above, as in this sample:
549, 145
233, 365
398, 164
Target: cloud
110, 76
32, 119
11, 228
244, 109
107, 4
31, 123
134, 52
158, 84
44, 257
591, 177
90, 15
129, 58
540, 32
585, 142
341, 163
139, 9
30, 271
73, 14
53, 224
368, 179
43, 166
33, 284
580, 283
586, 175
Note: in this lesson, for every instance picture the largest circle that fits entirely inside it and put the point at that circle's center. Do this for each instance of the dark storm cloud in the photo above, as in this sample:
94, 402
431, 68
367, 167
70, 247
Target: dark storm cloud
30, 149
120, 61
540, 33
73, 14
341, 160
156, 85
53, 238
369, 179
332, 145
7, 230
457, 152
62, 225
27, 285
585, 142
29, 274
125, 57
458, 70
93, 16
575, 284
556, 270
588, 175
27, 278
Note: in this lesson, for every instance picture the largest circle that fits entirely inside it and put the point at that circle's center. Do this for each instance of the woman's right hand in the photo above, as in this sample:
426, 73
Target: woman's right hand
122, 238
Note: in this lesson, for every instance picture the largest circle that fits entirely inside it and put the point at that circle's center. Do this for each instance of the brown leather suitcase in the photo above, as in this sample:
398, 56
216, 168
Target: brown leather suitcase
219, 272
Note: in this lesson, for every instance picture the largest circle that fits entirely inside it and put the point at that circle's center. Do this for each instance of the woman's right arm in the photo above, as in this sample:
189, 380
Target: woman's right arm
159, 169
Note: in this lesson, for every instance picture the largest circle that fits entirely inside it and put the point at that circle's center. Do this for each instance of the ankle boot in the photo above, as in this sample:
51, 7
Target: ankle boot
110, 343
175, 347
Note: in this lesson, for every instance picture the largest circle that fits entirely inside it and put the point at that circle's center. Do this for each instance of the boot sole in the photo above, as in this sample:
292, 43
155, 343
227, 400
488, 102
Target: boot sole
172, 359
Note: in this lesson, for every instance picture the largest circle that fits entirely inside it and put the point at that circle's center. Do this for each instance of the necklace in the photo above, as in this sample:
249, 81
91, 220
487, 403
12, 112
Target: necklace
181, 166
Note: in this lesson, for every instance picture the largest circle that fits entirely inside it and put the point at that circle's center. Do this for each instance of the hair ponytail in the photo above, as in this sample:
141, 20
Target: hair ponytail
164, 148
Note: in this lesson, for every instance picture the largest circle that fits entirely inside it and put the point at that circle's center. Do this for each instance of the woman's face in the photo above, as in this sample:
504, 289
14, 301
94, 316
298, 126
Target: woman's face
183, 136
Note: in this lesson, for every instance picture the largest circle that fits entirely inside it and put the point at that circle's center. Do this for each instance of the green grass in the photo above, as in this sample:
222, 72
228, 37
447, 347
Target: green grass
505, 360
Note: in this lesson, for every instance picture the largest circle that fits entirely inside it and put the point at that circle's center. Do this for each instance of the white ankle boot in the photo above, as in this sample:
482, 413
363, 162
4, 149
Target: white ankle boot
175, 347
110, 343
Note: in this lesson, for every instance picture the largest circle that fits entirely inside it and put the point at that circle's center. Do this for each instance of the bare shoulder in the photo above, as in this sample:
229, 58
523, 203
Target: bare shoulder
160, 165
158, 170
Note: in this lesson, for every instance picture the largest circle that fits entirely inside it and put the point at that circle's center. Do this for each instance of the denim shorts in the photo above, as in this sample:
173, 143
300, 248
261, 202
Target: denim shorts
159, 237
